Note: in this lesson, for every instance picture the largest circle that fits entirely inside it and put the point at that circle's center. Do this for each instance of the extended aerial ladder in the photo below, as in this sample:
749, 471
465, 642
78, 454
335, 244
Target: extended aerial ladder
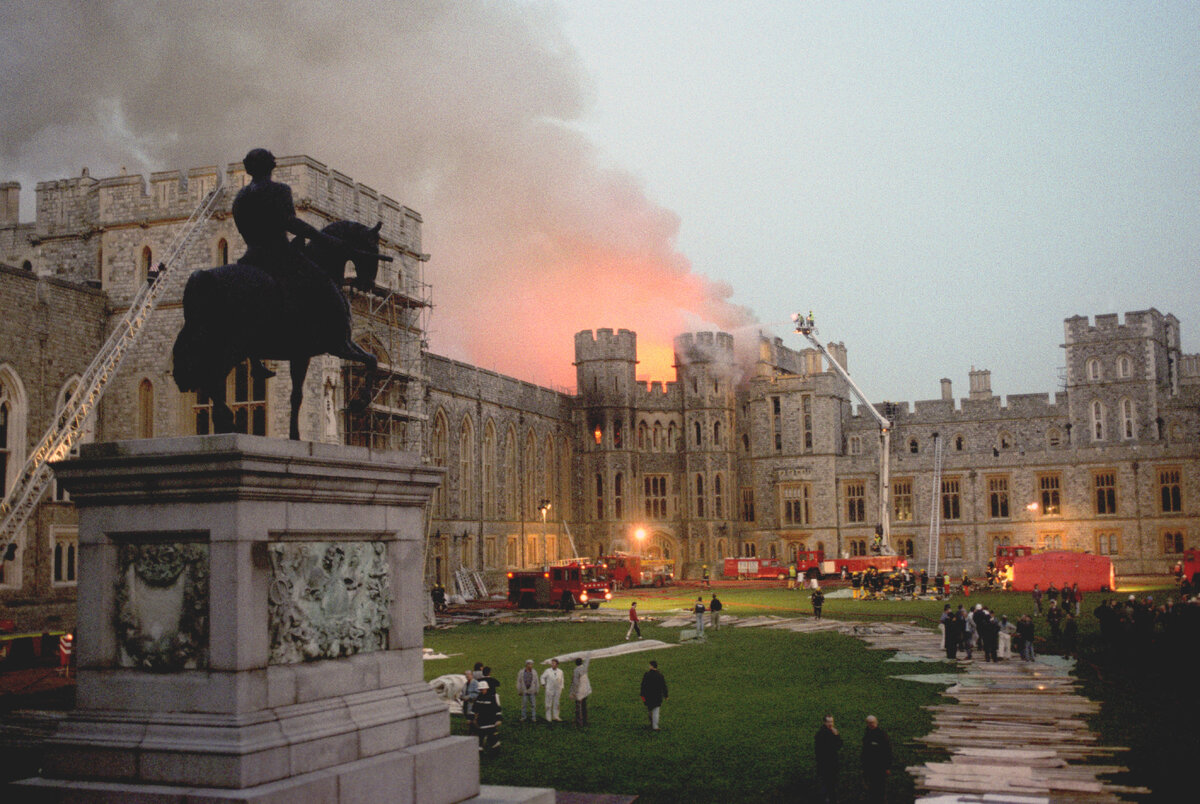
70, 422
808, 329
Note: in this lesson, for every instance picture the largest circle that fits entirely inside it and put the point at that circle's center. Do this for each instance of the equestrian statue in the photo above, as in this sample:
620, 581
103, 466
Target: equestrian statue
282, 300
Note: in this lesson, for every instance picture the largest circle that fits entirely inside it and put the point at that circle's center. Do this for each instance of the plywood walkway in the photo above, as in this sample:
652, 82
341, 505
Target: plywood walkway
1015, 731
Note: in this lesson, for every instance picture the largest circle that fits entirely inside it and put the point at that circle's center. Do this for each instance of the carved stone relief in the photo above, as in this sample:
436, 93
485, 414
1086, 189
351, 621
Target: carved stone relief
328, 599
162, 606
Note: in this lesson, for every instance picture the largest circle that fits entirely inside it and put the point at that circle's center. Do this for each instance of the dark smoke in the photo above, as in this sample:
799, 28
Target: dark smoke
461, 110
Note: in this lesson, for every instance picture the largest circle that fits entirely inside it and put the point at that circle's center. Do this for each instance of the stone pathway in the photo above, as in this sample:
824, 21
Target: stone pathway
1015, 731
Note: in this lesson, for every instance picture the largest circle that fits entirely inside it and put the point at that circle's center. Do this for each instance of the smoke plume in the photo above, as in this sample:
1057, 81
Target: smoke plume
460, 109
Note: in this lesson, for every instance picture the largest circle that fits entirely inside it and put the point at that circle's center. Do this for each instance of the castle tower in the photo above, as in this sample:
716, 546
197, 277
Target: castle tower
707, 377
1119, 376
605, 415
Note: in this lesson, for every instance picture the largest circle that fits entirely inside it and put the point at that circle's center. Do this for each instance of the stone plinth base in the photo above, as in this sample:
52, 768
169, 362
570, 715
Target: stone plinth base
250, 629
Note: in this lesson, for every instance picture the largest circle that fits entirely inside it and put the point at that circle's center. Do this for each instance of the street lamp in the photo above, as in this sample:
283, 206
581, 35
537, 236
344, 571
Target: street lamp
544, 508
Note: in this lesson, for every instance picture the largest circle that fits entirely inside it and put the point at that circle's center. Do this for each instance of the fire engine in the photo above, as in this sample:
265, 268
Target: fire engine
626, 570
755, 568
1189, 566
834, 566
1006, 553
566, 584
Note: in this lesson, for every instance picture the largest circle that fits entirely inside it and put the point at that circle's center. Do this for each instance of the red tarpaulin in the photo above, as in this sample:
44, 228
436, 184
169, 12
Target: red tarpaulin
1063, 568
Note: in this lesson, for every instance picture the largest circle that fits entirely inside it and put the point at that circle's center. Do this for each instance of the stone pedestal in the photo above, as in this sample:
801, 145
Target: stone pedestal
250, 629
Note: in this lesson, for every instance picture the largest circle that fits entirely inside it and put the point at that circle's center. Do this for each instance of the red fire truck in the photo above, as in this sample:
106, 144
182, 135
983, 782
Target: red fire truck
626, 570
565, 584
1006, 553
834, 566
1189, 566
755, 568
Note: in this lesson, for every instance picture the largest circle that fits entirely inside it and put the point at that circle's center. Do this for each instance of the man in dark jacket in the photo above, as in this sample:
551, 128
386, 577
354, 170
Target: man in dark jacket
876, 760
487, 717
654, 692
818, 600
826, 745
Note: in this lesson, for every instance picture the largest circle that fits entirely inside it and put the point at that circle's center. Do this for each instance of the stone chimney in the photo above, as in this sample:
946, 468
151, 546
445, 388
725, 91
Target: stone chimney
981, 384
10, 203
947, 394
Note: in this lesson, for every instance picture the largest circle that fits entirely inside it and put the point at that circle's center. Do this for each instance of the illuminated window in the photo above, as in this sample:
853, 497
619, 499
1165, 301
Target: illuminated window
856, 501
902, 500
794, 498
951, 502
1049, 487
998, 497
1106, 492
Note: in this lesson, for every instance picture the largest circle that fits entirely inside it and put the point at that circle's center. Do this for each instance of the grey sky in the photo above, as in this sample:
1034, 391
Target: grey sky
941, 183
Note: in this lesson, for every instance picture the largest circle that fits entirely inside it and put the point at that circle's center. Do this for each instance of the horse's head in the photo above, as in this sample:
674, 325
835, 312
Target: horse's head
363, 245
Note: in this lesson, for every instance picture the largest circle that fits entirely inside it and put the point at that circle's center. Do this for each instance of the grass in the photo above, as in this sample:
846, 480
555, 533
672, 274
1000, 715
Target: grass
744, 705
738, 725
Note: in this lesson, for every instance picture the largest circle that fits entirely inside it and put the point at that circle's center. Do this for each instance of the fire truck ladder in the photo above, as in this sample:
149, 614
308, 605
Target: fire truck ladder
68, 425
935, 522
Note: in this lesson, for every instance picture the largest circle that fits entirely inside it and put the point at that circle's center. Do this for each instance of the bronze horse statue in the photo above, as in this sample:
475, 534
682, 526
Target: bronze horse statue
237, 312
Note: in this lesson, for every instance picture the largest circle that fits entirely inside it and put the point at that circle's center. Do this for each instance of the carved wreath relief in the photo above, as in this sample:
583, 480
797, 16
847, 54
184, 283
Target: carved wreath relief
328, 600
162, 606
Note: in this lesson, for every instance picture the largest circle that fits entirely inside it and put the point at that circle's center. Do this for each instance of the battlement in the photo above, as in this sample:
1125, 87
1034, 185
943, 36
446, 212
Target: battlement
82, 202
604, 344
703, 347
1138, 324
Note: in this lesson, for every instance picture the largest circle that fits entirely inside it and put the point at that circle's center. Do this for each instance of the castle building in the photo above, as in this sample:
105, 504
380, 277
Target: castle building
734, 457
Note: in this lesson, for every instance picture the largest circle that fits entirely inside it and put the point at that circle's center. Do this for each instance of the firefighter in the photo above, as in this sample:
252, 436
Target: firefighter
792, 575
856, 584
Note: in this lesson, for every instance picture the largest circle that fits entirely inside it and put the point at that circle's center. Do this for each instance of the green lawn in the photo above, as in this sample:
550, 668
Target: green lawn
744, 705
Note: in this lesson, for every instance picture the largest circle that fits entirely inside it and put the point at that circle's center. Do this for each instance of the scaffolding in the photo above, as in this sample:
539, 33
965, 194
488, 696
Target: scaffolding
391, 322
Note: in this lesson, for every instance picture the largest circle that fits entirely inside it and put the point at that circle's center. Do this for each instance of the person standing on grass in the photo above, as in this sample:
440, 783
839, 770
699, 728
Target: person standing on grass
699, 610
818, 600
826, 745
552, 680
1025, 632
1070, 634
581, 688
527, 688
924, 581
876, 761
1037, 598
633, 621
487, 717
715, 606
653, 692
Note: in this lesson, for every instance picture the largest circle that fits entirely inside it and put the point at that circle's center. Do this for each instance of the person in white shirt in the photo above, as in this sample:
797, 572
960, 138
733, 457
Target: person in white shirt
552, 680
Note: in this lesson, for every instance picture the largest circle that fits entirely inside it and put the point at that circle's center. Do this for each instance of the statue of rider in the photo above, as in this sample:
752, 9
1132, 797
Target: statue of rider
264, 214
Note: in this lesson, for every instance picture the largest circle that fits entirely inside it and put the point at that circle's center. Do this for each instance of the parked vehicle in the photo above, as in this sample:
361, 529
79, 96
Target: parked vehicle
756, 569
626, 570
565, 584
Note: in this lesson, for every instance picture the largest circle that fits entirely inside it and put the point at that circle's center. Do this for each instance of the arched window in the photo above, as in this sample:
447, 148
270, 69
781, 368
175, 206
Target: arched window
549, 466
718, 499
721, 548
509, 478
960, 443
1004, 440
618, 496
913, 446
716, 434
530, 476
439, 454
144, 262
671, 437
771, 550
657, 436
222, 252
1093, 369
564, 479
642, 442
1054, 438
1124, 366
599, 495
87, 433
1128, 428
1097, 420
489, 470
466, 469
698, 435
700, 496
145, 409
